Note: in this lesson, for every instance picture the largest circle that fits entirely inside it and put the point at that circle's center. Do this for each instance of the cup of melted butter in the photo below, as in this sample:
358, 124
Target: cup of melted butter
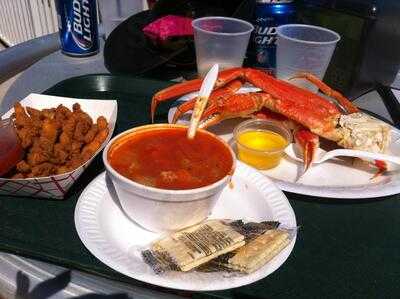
261, 143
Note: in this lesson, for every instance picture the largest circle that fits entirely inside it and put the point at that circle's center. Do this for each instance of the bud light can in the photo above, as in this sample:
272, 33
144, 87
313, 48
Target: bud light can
77, 22
269, 14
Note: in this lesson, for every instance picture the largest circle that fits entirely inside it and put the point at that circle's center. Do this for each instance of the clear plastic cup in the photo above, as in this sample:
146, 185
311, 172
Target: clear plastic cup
113, 12
304, 48
220, 40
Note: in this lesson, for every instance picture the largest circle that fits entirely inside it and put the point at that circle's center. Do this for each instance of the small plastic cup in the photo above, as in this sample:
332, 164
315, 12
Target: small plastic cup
220, 40
261, 143
304, 48
113, 12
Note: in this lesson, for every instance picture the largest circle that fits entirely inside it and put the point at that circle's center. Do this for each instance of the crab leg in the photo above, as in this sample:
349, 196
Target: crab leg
284, 91
237, 105
183, 108
241, 105
185, 87
343, 101
225, 91
172, 92
308, 143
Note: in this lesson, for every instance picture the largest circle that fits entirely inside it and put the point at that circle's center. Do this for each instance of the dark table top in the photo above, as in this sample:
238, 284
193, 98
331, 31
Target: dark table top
345, 248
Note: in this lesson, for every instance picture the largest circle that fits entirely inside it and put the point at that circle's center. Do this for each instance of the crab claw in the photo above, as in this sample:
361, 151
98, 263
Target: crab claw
308, 143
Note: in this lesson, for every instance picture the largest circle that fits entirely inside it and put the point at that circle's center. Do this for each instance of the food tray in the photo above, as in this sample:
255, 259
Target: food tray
57, 186
347, 246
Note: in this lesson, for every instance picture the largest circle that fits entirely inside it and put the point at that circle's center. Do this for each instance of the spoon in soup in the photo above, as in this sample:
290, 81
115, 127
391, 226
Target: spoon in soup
202, 99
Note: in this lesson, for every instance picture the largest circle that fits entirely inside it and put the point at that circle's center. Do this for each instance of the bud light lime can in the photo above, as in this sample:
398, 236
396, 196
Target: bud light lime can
269, 14
77, 22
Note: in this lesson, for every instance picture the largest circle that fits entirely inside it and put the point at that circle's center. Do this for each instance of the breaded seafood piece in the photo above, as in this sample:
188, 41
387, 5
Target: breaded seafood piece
23, 167
21, 117
102, 123
50, 130
89, 149
89, 136
41, 170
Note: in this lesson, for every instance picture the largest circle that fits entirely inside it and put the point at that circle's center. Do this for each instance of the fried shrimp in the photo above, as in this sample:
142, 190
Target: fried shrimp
56, 140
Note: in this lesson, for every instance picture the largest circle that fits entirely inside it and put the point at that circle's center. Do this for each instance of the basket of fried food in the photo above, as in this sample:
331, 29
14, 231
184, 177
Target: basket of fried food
59, 138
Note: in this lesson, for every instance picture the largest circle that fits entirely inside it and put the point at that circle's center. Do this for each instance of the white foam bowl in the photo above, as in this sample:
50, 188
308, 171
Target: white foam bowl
158, 209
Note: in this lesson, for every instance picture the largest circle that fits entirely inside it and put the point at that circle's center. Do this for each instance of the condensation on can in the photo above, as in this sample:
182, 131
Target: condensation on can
269, 14
77, 22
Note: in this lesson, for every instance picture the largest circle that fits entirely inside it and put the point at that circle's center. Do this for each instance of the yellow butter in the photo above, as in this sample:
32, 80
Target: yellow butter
261, 149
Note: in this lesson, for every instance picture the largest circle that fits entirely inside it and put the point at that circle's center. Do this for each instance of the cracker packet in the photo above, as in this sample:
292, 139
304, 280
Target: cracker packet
253, 255
215, 245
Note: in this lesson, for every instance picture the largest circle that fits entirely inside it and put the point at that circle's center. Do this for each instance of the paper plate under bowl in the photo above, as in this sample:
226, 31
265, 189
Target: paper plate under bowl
116, 240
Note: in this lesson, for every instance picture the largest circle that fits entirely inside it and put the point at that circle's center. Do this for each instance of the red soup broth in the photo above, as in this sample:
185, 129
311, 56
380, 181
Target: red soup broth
165, 158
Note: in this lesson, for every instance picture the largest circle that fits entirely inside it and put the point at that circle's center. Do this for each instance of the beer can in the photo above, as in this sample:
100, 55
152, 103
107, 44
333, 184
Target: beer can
269, 14
77, 23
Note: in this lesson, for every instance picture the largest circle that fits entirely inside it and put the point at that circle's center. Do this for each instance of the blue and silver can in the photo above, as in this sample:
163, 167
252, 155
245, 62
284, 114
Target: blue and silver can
269, 14
77, 22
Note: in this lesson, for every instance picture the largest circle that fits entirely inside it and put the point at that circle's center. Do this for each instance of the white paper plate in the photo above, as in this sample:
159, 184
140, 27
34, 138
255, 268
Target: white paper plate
110, 236
329, 179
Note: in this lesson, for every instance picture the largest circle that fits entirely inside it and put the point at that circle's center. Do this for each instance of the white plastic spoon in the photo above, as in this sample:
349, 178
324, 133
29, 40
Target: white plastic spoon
202, 99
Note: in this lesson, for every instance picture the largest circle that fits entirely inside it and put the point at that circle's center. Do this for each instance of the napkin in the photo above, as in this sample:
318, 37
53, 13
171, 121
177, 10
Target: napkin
167, 27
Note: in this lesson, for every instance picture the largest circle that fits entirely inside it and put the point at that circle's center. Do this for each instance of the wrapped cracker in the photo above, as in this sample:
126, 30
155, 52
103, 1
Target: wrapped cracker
259, 251
261, 246
197, 245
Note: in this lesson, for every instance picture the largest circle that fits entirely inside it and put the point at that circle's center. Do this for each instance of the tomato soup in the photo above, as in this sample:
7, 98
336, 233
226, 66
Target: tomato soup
165, 158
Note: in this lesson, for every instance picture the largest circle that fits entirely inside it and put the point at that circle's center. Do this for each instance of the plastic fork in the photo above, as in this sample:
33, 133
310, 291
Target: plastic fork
323, 156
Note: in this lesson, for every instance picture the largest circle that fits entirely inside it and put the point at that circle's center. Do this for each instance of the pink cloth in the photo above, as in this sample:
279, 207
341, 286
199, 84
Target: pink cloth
169, 26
